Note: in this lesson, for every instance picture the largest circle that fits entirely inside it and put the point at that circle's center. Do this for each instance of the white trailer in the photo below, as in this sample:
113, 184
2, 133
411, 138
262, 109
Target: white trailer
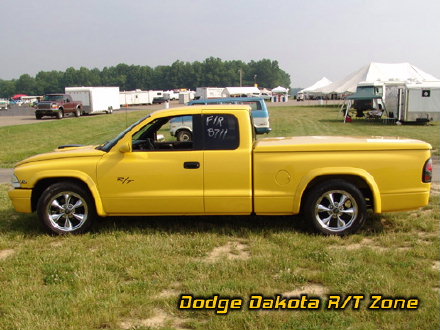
404, 101
126, 98
96, 99
420, 102
208, 92
143, 97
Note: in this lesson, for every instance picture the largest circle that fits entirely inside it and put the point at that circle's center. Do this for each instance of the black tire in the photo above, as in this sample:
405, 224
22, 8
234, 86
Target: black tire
184, 136
60, 114
335, 207
77, 112
38, 116
66, 208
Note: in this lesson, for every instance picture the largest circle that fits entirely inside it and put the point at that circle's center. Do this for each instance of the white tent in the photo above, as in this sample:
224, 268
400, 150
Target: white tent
280, 94
319, 84
239, 91
280, 90
378, 72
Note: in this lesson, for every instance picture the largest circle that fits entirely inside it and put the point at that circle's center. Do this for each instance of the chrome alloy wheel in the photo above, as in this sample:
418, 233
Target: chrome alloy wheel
67, 211
336, 210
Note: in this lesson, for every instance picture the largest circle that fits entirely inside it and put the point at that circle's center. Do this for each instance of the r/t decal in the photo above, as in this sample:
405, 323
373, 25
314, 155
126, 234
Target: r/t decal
126, 180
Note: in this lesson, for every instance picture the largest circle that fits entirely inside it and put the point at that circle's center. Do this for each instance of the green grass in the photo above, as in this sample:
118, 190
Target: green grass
129, 272
23, 141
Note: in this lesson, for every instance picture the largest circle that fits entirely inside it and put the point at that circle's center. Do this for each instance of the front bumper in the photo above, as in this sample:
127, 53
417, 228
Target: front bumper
47, 112
21, 199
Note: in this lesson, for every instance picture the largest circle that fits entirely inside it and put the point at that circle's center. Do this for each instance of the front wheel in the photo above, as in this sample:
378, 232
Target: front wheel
66, 208
336, 207
184, 136
60, 114
77, 112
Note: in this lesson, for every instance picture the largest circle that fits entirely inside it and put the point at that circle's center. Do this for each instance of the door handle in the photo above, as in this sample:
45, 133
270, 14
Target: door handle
191, 165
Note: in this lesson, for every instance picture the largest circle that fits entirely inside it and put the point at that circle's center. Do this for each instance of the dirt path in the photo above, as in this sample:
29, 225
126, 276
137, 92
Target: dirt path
5, 175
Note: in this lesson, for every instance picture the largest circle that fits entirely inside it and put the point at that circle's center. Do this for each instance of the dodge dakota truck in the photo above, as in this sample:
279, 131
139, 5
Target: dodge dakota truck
57, 105
223, 170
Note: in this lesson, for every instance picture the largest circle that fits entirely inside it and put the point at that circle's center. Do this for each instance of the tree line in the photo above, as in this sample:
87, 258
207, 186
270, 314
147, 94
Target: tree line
212, 72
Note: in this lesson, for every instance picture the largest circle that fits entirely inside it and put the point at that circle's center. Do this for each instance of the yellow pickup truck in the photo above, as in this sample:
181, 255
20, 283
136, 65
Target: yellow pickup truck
223, 170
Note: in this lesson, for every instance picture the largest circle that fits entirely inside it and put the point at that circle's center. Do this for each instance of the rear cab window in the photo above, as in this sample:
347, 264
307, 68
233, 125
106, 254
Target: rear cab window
220, 132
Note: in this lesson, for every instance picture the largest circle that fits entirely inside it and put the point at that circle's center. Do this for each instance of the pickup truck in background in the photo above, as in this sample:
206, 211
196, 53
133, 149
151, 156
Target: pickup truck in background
181, 127
260, 113
223, 170
57, 105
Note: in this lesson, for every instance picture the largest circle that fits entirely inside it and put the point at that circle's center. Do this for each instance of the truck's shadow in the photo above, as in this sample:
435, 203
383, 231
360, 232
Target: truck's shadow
29, 225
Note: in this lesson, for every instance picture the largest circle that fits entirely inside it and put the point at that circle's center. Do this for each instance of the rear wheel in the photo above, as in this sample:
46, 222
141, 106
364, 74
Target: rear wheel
66, 208
335, 207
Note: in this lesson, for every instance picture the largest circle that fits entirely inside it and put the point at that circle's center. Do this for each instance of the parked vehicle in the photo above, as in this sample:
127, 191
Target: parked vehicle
208, 92
223, 170
159, 100
260, 113
181, 127
4, 104
17, 102
95, 99
405, 102
57, 105
171, 95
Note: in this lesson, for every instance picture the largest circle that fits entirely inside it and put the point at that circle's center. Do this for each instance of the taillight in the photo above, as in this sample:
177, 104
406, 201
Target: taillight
427, 171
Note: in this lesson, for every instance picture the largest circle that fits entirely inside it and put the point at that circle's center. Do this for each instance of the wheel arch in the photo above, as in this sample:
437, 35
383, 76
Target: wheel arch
85, 182
183, 128
358, 177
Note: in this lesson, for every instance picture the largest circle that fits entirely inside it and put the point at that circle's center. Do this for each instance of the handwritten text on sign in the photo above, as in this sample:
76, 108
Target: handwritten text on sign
216, 127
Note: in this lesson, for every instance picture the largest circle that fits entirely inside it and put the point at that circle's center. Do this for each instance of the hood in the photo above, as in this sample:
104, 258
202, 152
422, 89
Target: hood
337, 143
66, 152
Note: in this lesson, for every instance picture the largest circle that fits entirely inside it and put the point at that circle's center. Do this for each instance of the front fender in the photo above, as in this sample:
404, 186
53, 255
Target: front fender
42, 175
335, 171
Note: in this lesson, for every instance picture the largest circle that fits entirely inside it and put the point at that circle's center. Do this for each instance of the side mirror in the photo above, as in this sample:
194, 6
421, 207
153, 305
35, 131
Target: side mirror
125, 148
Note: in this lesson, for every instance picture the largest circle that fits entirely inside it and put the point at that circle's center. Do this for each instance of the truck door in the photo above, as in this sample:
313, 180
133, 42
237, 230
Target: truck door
227, 162
68, 103
159, 176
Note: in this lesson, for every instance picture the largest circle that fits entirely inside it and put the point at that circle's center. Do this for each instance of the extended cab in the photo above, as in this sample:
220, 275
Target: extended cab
223, 170
57, 105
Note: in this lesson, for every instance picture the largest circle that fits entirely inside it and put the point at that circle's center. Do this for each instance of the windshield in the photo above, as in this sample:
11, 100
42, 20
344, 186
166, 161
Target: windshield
109, 144
53, 98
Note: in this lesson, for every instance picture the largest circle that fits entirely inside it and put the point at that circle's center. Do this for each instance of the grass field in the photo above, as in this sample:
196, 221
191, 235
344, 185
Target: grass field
129, 272
22, 141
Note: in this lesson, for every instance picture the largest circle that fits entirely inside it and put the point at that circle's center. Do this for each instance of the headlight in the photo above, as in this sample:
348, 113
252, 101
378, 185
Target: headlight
15, 182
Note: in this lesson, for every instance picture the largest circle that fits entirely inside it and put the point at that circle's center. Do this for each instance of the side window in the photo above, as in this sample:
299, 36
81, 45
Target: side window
253, 104
166, 134
220, 132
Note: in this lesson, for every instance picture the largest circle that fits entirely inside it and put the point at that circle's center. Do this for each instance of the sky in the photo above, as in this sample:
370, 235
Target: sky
310, 39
